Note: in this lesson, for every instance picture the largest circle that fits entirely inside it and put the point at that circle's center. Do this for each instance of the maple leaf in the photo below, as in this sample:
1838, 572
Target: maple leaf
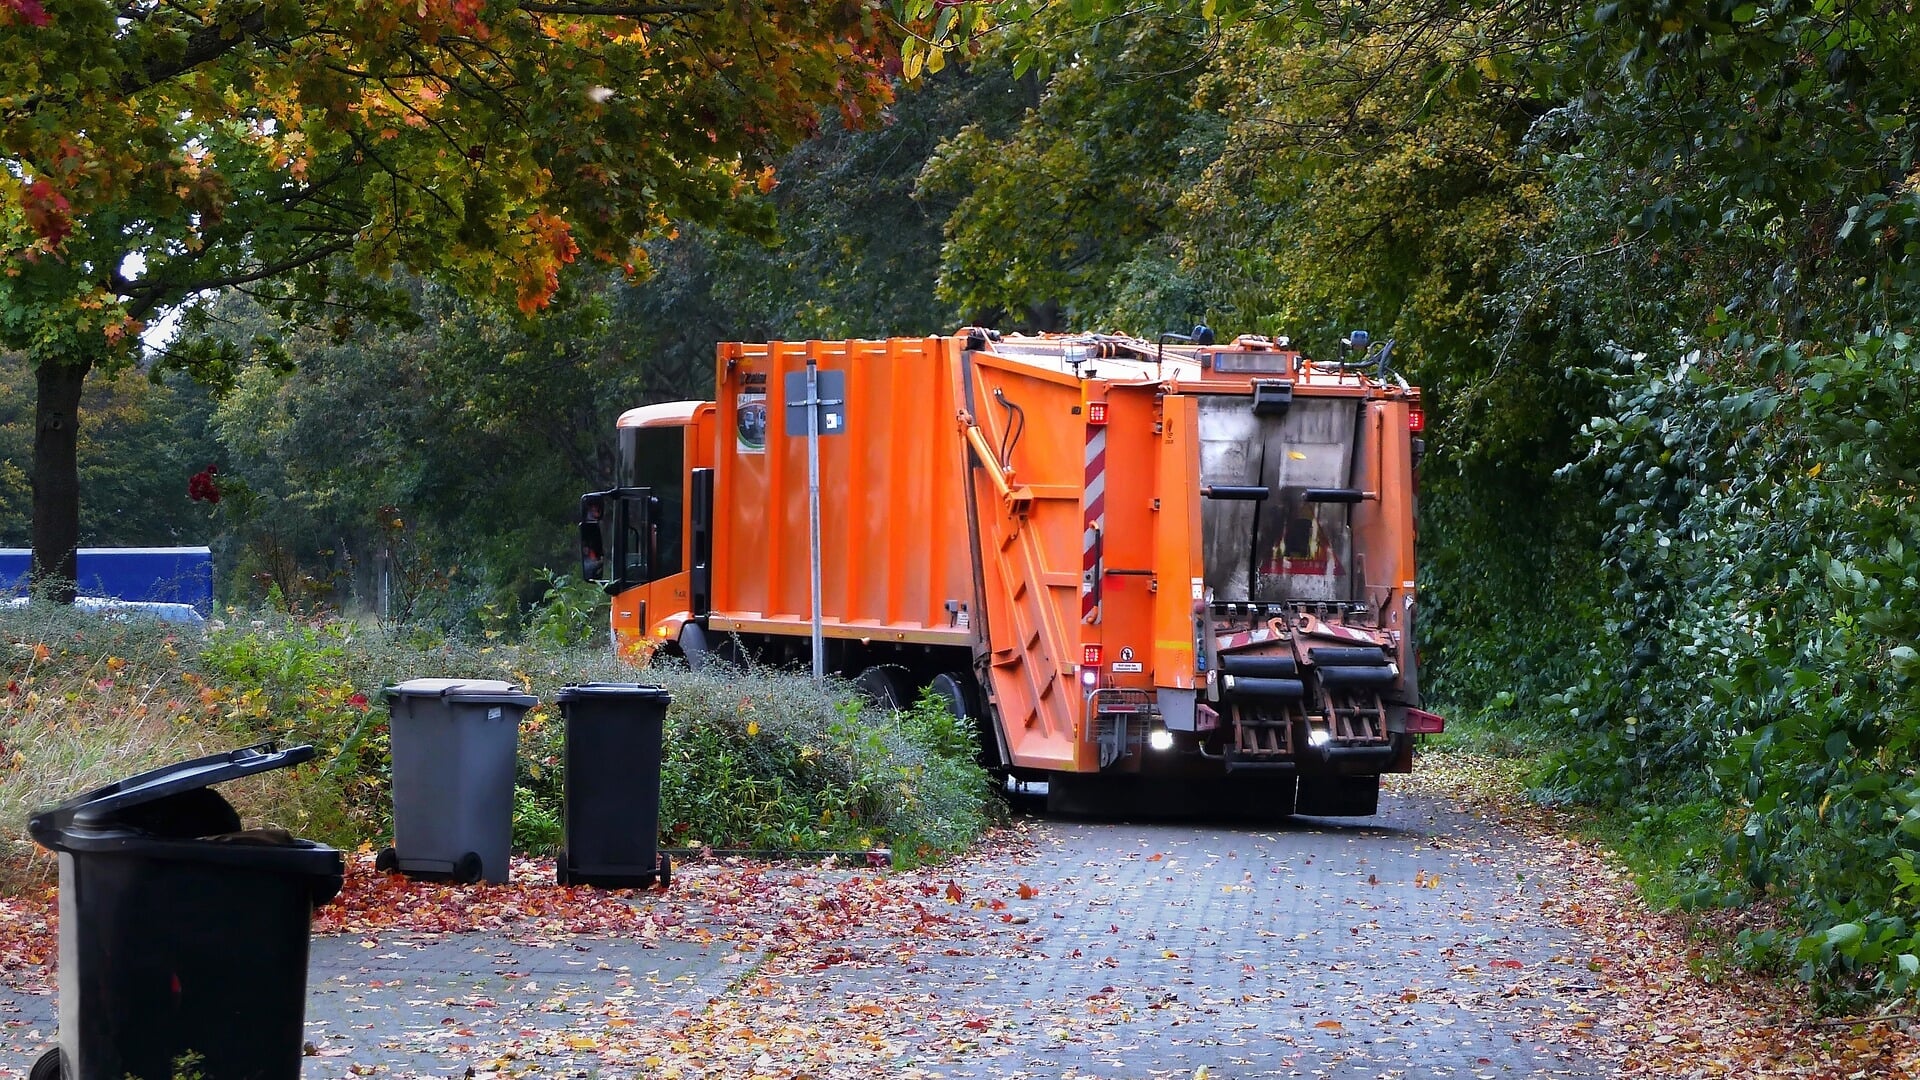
47, 212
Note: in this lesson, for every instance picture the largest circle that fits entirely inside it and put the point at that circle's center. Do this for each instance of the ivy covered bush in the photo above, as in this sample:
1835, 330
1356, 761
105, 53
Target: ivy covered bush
1760, 651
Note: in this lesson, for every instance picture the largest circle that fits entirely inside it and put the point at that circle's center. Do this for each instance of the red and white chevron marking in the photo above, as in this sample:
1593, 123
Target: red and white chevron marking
1095, 501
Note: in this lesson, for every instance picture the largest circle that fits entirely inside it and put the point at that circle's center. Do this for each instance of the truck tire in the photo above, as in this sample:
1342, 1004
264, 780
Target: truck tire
958, 693
961, 695
889, 686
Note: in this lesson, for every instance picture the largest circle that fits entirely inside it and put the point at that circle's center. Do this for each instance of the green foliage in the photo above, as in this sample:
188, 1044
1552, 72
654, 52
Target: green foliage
142, 439
571, 612
761, 760
1050, 213
537, 824
475, 430
421, 475
1763, 519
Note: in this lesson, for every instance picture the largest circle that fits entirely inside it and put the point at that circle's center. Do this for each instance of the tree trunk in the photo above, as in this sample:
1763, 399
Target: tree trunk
56, 477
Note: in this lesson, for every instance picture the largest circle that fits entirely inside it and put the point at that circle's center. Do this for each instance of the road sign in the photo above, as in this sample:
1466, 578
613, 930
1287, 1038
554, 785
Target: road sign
832, 391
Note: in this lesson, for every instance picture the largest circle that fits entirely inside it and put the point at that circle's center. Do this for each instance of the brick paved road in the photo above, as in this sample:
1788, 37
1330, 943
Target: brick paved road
1405, 945
1399, 946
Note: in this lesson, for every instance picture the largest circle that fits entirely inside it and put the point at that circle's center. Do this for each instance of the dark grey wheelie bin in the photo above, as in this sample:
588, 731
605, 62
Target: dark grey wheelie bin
615, 733
454, 744
181, 934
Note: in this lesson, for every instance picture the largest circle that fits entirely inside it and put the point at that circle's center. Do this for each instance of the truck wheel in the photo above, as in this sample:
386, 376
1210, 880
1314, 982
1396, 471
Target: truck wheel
961, 695
958, 693
886, 685
693, 646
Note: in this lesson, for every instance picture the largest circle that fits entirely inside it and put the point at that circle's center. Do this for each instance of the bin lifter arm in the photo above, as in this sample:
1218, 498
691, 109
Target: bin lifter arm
1018, 498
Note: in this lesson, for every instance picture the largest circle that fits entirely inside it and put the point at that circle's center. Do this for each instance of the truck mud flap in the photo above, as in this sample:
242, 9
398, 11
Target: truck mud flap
1338, 796
1262, 797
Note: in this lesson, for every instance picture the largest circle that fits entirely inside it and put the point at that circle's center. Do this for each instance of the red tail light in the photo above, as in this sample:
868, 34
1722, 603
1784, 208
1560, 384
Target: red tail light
1416, 420
1090, 655
1096, 412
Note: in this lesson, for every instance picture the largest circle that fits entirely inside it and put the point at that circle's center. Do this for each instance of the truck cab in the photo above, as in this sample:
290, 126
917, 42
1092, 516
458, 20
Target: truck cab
645, 538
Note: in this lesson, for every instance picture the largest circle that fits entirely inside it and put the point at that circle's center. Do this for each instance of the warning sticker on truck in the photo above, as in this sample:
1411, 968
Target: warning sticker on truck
750, 423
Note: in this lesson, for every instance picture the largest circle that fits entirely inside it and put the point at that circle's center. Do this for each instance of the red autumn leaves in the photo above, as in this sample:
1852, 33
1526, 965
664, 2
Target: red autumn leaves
202, 487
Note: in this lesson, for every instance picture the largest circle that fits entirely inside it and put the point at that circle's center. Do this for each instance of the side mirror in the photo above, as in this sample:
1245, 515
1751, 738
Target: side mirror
593, 536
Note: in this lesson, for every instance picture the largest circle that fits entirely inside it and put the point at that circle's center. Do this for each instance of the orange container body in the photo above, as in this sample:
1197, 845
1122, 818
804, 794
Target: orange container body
893, 528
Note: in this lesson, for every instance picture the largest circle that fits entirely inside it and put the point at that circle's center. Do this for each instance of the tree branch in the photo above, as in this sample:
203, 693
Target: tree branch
205, 44
151, 295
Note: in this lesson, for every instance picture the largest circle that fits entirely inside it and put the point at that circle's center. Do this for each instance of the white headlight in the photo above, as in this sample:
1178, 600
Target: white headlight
1089, 676
1160, 739
1319, 737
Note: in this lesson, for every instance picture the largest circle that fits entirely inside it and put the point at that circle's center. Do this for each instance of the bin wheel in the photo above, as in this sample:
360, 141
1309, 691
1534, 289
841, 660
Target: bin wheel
560, 874
467, 870
387, 861
665, 876
50, 1066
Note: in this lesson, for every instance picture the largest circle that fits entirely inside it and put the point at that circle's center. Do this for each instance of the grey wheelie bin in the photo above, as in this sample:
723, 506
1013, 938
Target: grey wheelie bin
183, 937
454, 743
615, 735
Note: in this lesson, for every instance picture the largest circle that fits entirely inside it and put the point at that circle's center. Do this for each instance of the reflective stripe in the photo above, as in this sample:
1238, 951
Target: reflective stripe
1095, 502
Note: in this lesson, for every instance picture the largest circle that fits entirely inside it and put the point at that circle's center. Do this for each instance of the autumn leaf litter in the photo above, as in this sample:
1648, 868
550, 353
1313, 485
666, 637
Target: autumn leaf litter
1642, 1005
1649, 1005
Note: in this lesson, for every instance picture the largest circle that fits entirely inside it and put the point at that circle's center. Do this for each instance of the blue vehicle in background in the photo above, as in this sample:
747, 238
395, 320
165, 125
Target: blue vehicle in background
171, 583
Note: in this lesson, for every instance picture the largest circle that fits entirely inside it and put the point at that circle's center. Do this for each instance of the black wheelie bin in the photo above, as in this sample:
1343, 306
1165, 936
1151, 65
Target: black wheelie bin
454, 743
615, 734
183, 936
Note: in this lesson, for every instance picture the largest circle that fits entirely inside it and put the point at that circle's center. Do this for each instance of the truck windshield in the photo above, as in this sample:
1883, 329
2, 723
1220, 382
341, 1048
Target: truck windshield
1280, 548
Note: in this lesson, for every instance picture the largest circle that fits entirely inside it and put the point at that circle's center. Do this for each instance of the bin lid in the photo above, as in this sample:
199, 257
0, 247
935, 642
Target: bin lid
97, 807
623, 690
482, 690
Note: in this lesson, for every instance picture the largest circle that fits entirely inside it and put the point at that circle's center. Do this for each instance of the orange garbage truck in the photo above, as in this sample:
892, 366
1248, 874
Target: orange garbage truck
1152, 573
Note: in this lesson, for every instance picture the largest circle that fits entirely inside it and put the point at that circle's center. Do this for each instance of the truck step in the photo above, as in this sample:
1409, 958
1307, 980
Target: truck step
1263, 737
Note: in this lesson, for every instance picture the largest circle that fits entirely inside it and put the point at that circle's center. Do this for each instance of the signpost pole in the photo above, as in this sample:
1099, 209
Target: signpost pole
813, 509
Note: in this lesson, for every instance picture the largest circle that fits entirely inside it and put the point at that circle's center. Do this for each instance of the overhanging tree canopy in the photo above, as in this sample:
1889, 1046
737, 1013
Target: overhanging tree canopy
155, 151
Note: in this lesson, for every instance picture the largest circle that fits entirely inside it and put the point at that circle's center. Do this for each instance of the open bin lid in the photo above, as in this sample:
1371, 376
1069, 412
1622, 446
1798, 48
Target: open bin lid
624, 691
486, 691
98, 808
